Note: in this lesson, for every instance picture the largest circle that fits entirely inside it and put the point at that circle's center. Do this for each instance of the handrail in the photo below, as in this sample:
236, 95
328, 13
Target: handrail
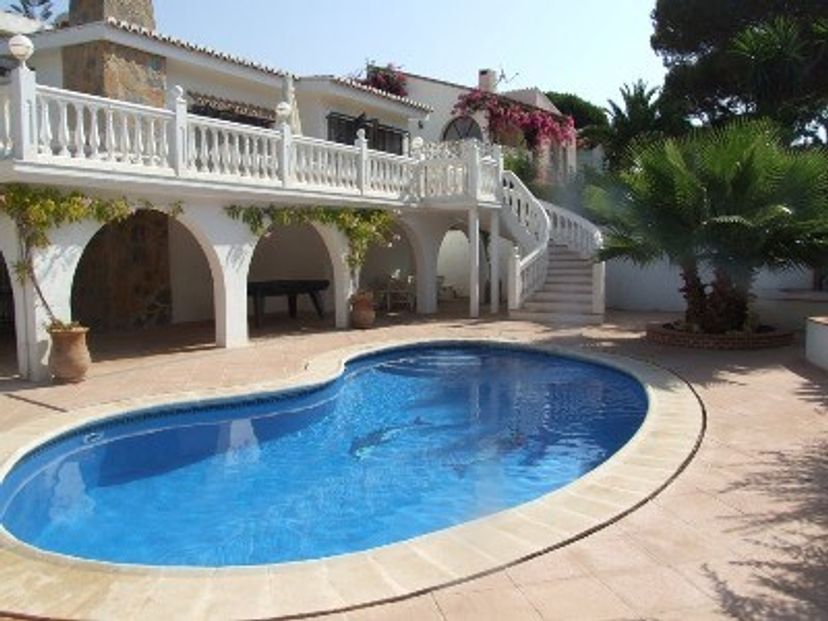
526, 273
575, 231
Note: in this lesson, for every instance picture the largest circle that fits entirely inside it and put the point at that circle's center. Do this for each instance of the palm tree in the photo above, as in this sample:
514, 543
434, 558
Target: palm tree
641, 115
733, 198
34, 9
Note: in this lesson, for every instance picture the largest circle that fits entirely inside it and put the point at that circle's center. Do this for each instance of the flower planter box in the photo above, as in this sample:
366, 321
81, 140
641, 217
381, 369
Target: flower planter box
665, 335
816, 341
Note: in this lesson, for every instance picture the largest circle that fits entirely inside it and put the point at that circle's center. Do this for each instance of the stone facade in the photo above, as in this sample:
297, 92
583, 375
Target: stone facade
138, 12
123, 279
111, 70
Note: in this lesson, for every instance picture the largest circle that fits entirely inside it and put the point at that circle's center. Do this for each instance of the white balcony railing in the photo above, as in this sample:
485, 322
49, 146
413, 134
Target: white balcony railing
527, 272
67, 128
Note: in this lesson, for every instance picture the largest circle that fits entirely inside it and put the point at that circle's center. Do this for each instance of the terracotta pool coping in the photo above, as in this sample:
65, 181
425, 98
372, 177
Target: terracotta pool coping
662, 446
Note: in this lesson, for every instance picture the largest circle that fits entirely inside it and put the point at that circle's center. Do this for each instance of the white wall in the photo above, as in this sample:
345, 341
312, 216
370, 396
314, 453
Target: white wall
453, 263
48, 66
190, 278
292, 253
315, 104
655, 288
222, 85
441, 96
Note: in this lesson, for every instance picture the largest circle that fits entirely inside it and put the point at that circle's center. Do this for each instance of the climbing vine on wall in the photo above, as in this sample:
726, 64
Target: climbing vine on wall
363, 227
36, 211
505, 116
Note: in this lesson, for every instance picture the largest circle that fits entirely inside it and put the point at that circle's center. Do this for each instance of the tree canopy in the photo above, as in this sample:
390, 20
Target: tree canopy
585, 113
730, 58
33, 9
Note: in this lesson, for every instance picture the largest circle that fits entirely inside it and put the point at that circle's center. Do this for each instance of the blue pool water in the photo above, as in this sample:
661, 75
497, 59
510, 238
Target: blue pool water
406, 442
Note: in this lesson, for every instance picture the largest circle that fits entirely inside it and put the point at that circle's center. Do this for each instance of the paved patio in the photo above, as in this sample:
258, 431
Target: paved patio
741, 533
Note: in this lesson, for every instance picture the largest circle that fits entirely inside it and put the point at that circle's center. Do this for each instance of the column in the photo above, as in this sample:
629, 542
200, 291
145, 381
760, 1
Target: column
494, 259
474, 262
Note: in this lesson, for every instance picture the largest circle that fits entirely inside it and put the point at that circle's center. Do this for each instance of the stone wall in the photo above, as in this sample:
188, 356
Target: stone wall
111, 70
123, 279
139, 12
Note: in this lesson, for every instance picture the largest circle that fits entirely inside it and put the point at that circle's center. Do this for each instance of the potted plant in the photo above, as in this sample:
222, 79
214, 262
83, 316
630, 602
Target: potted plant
35, 211
362, 309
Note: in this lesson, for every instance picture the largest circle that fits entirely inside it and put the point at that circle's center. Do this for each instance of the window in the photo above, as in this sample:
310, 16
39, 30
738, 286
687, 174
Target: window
461, 128
343, 128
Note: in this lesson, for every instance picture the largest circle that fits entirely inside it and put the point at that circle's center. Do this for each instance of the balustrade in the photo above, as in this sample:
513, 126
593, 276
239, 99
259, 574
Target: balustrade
63, 125
85, 127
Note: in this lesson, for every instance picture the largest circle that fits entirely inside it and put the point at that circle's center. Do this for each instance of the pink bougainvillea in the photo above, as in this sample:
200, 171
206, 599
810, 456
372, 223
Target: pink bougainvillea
388, 79
506, 117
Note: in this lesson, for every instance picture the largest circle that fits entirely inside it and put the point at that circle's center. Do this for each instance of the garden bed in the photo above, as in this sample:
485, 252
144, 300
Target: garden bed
765, 337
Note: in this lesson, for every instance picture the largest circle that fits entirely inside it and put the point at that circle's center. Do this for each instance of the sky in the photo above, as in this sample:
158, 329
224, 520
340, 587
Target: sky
587, 47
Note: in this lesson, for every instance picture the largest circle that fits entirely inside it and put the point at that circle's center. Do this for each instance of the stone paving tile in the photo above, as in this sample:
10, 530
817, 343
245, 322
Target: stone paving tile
488, 605
655, 590
580, 598
741, 533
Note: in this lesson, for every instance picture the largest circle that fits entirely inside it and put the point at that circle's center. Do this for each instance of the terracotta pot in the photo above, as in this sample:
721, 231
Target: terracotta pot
69, 358
362, 312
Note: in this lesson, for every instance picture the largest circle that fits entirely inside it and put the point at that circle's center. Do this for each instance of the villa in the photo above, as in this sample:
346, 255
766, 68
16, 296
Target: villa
520, 436
109, 106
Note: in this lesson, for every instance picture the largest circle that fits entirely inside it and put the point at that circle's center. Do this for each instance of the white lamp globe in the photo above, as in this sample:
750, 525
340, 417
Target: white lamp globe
283, 111
21, 47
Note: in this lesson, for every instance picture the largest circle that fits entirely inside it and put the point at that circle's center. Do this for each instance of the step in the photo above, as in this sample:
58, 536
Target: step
569, 279
545, 295
565, 271
563, 319
567, 288
558, 306
570, 263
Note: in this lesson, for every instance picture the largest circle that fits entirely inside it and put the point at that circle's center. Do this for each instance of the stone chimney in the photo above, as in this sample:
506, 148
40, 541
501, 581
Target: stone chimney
138, 12
487, 80
110, 69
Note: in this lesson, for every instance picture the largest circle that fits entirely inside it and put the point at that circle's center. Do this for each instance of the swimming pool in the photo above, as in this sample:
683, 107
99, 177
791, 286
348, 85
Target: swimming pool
405, 442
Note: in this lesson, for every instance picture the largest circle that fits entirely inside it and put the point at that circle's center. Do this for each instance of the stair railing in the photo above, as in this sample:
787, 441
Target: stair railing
582, 236
526, 273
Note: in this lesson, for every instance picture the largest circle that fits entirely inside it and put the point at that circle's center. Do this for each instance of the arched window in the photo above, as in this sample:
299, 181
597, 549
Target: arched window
461, 128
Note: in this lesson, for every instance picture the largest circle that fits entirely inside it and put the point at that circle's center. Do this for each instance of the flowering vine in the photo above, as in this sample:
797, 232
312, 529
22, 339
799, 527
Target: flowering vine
505, 117
363, 227
388, 79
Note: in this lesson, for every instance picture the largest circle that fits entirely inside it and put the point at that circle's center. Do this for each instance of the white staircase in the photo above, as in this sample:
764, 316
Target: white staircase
552, 275
566, 295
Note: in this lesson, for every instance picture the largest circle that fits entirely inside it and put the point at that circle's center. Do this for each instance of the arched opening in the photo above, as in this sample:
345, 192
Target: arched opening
8, 339
453, 275
462, 128
290, 282
144, 286
390, 271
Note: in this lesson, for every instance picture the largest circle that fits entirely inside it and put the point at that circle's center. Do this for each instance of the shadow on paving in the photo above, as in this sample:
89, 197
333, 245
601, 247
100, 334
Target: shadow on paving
791, 565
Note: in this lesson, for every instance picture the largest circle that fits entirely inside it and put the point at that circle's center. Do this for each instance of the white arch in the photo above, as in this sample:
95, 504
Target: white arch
338, 248
228, 246
425, 234
9, 248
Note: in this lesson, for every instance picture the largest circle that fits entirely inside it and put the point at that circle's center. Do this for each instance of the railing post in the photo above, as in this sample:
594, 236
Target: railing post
178, 130
513, 280
23, 100
284, 111
497, 153
284, 156
599, 276
362, 173
471, 156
